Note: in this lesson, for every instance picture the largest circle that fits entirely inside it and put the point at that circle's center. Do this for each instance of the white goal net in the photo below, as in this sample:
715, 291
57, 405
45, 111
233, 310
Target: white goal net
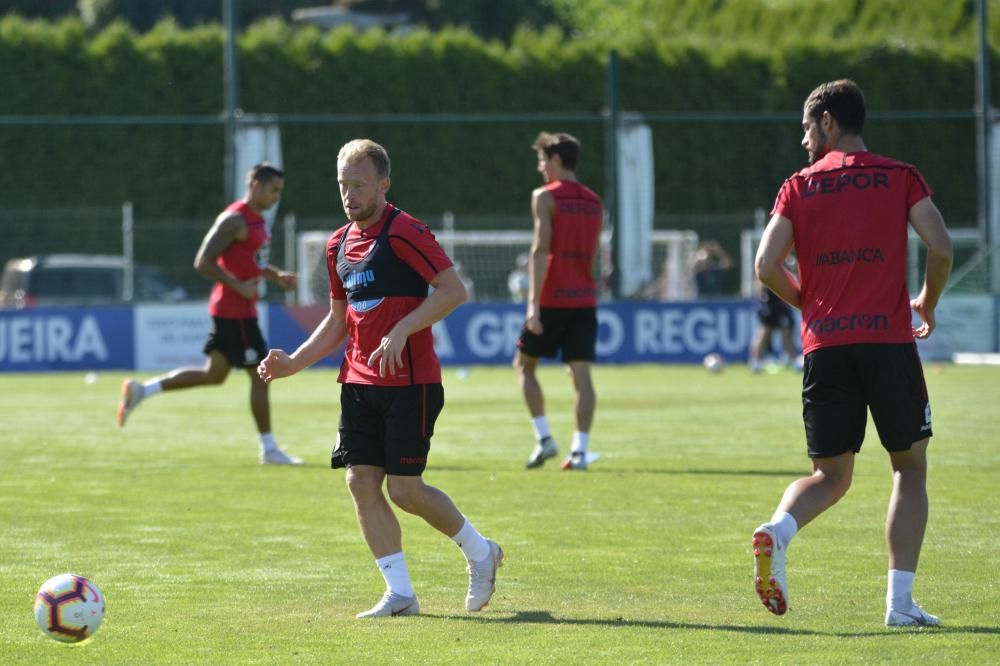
493, 264
970, 275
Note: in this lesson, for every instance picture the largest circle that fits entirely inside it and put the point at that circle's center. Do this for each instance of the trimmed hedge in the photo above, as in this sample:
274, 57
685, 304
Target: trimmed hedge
57, 69
773, 22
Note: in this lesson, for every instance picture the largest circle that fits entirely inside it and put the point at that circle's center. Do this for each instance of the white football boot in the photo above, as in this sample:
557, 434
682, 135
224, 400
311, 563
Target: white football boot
132, 395
483, 578
278, 456
391, 605
770, 579
915, 616
545, 448
579, 460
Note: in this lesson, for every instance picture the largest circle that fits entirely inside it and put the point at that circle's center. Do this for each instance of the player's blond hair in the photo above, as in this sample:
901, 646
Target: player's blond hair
358, 149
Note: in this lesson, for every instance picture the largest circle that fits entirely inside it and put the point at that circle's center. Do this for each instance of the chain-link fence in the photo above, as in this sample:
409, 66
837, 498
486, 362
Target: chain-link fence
715, 198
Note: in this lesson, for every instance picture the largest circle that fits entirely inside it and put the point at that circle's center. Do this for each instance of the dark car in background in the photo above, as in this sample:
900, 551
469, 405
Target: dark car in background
82, 279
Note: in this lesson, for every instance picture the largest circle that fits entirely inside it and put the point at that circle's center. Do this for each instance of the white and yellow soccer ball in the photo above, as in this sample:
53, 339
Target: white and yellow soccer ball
714, 363
69, 608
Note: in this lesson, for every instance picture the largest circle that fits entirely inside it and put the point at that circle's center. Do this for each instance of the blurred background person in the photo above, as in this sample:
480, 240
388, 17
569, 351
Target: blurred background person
517, 280
230, 256
708, 263
773, 314
470, 285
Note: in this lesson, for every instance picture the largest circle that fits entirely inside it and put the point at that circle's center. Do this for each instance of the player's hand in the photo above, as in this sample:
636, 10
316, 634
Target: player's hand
389, 353
926, 317
287, 280
534, 324
247, 288
276, 364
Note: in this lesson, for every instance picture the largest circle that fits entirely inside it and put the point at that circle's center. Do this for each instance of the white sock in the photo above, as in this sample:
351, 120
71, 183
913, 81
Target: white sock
541, 426
785, 527
899, 596
151, 388
580, 441
267, 441
396, 575
472, 543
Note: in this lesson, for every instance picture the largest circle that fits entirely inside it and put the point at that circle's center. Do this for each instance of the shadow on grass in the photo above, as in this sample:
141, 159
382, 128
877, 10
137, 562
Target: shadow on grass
724, 472
545, 617
597, 469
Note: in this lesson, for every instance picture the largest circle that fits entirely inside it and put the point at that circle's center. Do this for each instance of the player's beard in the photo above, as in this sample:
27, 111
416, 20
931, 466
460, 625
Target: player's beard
821, 149
361, 214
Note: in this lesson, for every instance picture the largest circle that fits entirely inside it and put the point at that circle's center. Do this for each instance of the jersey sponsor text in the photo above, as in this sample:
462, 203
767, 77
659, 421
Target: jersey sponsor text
852, 322
359, 279
865, 255
833, 184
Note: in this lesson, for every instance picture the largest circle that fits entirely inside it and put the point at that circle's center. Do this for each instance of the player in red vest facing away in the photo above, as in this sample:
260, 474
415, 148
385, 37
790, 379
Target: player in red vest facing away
561, 315
231, 256
846, 216
381, 265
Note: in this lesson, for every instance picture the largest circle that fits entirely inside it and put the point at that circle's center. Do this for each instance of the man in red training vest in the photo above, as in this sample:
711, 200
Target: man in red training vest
382, 264
231, 256
561, 316
846, 216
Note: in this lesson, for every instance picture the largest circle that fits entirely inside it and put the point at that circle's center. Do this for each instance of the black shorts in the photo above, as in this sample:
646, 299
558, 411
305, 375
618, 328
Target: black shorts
571, 331
387, 426
774, 312
839, 385
239, 340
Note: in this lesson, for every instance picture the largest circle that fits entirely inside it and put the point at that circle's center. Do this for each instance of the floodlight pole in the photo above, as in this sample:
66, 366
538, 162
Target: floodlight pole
231, 93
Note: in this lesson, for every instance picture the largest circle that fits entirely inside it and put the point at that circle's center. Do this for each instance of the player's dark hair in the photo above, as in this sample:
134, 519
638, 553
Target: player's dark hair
264, 172
844, 101
566, 146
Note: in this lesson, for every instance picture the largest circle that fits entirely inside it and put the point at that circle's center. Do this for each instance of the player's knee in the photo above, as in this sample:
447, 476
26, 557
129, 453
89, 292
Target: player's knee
360, 485
215, 378
839, 485
524, 364
404, 495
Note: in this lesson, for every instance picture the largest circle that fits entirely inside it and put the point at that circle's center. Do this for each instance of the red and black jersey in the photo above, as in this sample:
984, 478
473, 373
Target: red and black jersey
576, 227
383, 272
850, 214
242, 261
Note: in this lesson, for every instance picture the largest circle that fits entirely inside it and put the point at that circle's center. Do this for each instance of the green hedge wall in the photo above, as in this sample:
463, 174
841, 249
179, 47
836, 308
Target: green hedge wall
58, 69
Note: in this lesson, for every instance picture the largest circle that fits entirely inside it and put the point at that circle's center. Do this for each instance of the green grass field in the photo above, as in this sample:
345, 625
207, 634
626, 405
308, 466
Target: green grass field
207, 557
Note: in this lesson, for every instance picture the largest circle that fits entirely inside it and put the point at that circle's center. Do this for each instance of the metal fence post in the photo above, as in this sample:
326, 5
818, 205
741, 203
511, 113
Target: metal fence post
290, 258
231, 92
128, 252
988, 220
611, 167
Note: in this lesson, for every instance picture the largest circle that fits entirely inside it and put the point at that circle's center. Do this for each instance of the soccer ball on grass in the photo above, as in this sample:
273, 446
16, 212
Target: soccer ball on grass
69, 608
714, 363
